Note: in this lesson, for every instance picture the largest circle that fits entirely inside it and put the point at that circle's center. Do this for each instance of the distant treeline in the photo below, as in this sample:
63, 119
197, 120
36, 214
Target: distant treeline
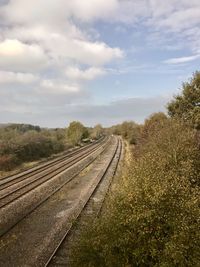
21, 143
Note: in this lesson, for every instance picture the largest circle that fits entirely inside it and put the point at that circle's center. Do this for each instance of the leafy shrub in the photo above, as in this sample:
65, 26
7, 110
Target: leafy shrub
8, 162
97, 131
186, 106
76, 132
129, 130
20, 143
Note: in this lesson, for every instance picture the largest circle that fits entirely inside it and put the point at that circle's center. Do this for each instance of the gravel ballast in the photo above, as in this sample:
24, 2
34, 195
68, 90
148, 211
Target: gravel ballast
31, 241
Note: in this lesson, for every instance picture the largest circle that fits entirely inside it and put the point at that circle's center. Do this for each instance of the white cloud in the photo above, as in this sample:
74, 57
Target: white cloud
93, 9
50, 37
175, 14
94, 53
176, 23
179, 60
178, 20
51, 25
80, 50
49, 11
75, 73
57, 87
17, 56
12, 78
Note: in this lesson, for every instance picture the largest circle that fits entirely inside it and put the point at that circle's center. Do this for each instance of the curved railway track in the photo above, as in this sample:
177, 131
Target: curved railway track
14, 187
58, 252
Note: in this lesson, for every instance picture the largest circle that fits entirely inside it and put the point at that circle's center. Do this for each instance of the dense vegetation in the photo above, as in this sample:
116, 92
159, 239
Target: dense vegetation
76, 132
129, 130
187, 105
152, 218
21, 143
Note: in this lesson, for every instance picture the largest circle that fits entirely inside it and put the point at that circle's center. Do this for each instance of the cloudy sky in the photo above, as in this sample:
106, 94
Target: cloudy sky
97, 61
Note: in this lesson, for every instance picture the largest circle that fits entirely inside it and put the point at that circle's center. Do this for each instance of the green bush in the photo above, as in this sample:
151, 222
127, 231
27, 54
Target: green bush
23, 143
76, 132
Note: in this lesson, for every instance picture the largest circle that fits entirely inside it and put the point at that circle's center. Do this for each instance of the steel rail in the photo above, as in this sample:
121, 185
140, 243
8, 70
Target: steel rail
55, 190
37, 181
34, 170
23, 177
102, 175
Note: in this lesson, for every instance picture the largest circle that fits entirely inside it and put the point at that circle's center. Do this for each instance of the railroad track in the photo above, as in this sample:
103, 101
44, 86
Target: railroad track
9, 180
21, 199
59, 252
16, 186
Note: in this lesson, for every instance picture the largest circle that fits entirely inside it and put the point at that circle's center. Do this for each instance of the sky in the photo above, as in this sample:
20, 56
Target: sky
96, 61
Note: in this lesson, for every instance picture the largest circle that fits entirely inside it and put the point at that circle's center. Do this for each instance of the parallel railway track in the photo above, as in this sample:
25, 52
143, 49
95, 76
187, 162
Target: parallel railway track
14, 187
59, 252
12, 179
22, 197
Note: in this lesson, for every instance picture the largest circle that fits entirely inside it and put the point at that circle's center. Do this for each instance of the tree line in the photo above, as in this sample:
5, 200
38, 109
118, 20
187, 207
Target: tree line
21, 143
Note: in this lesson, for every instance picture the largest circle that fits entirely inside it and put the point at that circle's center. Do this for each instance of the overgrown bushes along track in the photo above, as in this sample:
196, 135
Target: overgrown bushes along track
152, 218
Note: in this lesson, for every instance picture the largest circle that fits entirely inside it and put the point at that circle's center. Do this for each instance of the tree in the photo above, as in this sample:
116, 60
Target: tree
76, 132
153, 124
97, 131
187, 105
129, 131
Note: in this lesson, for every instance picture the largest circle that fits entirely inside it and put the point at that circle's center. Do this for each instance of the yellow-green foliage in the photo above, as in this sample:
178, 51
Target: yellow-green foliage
21, 143
186, 106
97, 131
76, 132
129, 130
152, 218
